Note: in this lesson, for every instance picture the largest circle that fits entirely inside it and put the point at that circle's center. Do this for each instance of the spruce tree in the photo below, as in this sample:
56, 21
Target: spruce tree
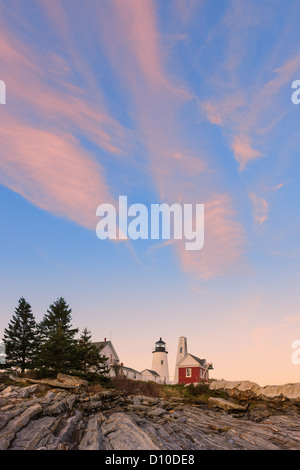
58, 315
89, 358
58, 349
20, 338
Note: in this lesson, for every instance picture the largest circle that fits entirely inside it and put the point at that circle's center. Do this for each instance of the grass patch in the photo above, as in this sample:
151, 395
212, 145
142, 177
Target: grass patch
137, 387
199, 393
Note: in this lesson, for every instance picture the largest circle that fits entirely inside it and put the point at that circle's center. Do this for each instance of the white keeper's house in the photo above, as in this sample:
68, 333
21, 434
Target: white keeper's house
106, 349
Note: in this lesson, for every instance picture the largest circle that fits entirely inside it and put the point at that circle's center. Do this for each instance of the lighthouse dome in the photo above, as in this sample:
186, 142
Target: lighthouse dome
160, 345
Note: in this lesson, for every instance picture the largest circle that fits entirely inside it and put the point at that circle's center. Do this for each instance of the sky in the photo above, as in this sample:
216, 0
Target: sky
163, 101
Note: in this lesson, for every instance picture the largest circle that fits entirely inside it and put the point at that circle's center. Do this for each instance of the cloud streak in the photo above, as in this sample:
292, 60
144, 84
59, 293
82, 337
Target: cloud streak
53, 172
224, 242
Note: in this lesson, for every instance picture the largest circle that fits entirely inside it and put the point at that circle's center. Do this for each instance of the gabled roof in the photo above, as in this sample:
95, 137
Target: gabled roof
151, 372
201, 362
130, 369
100, 345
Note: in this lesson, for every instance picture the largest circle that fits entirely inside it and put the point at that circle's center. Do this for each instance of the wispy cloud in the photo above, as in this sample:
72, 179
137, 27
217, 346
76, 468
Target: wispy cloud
48, 118
243, 151
53, 172
179, 173
260, 208
279, 186
225, 242
247, 110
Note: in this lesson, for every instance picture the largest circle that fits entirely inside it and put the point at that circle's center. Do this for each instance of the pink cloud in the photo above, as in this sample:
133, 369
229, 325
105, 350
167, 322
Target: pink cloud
45, 82
53, 172
279, 186
243, 151
224, 242
225, 109
136, 50
180, 175
260, 208
242, 109
213, 113
41, 158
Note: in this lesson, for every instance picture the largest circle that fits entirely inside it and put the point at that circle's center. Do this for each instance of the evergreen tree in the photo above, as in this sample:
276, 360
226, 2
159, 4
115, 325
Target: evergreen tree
20, 338
89, 358
58, 347
58, 315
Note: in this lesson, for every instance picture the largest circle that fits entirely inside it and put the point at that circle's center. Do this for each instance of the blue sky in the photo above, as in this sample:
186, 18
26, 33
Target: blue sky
163, 101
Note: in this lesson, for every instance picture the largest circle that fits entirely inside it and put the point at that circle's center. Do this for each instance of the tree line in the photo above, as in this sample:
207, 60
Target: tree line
50, 346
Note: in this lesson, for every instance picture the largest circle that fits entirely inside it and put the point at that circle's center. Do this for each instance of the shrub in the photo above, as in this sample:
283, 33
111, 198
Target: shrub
197, 389
94, 378
138, 387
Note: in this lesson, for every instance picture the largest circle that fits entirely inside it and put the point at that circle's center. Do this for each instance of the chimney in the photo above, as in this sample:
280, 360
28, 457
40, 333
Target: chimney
181, 352
105, 340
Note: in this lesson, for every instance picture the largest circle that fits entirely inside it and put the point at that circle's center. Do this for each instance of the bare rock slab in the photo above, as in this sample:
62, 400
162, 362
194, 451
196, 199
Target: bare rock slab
226, 405
124, 434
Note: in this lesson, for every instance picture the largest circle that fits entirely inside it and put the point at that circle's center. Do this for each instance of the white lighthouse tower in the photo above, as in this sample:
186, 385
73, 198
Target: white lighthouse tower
181, 353
160, 361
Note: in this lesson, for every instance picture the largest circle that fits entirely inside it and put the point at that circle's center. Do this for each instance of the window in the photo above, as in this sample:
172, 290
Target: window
188, 372
180, 350
162, 363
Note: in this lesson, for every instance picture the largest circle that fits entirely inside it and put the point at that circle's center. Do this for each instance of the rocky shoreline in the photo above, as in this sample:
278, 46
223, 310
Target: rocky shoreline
63, 415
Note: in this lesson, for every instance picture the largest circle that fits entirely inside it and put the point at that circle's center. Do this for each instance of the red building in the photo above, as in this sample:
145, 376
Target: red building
191, 369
